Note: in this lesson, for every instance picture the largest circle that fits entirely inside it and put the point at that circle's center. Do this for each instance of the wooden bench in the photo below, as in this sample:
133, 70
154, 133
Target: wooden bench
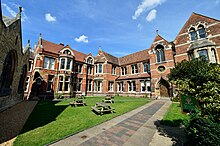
108, 99
101, 107
78, 102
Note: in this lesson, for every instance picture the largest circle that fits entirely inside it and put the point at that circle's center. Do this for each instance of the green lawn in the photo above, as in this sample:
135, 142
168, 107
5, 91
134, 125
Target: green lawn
174, 116
52, 120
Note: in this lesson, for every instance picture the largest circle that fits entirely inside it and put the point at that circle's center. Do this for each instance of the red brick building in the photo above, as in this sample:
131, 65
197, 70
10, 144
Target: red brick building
60, 70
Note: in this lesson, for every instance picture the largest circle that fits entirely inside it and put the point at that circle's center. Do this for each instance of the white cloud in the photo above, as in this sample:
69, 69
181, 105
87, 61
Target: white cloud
139, 26
151, 15
12, 12
82, 38
49, 17
146, 5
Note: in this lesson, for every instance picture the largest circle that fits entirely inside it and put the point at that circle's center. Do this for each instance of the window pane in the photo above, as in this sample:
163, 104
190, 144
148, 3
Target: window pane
193, 35
213, 56
46, 62
51, 65
162, 55
203, 53
68, 63
158, 56
202, 32
62, 63
100, 68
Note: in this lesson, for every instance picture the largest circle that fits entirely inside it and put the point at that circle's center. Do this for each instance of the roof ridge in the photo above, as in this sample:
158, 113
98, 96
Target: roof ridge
52, 42
204, 16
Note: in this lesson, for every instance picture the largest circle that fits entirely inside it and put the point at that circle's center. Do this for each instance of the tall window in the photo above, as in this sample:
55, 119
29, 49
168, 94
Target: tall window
27, 83
145, 67
113, 70
60, 83
49, 63
131, 86
89, 84
50, 83
123, 70
98, 68
160, 53
68, 65
67, 83
193, 34
98, 86
89, 70
201, 31
80, 84
79, 68
145, 86
120, 87
111, 86
62, 64
134, 69
203, 54
214, 60
191, 55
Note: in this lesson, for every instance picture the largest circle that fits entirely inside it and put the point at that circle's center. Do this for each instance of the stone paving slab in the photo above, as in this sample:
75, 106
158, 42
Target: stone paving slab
127, 129
13, 119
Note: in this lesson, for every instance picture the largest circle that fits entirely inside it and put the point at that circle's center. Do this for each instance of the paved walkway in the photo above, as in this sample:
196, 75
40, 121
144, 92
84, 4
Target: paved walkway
134, 128
13, 119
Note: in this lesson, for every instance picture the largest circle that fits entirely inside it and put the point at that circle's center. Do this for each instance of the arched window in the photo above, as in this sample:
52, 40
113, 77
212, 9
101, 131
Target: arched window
193, 34
7, 73
201, 31
160, 53
214, 59
67, 52
90, 60
22, 79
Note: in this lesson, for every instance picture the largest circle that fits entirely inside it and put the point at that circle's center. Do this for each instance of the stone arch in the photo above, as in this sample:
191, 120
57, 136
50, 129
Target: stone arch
164, 88
22, 79
7, 74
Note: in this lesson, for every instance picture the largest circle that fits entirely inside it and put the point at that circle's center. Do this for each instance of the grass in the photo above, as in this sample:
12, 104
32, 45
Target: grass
52, 120
174, 116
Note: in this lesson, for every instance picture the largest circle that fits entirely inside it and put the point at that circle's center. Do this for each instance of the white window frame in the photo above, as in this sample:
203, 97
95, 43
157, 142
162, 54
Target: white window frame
49, 63
50, 82
113, 70
79, 84
135, 68
111, 86
97, 68
27, 82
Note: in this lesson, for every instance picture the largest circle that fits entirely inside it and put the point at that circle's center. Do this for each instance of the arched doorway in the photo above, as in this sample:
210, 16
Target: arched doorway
164, 88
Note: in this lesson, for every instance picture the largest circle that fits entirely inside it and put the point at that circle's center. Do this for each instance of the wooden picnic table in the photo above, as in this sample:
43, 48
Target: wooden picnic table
78, 101
108, 99
101, 107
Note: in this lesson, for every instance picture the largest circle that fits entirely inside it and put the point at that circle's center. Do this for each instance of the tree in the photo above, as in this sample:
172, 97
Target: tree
201, 80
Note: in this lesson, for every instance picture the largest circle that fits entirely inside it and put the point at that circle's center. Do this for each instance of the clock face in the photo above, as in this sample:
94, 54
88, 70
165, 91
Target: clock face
161, 68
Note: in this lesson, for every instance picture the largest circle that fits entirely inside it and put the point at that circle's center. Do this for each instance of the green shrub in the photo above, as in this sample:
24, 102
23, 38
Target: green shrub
203, 131
176, 99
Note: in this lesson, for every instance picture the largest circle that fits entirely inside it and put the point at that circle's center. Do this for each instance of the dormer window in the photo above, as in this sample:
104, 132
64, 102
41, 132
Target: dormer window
160, 53
193, 34
90, 60
67, 52
201, 31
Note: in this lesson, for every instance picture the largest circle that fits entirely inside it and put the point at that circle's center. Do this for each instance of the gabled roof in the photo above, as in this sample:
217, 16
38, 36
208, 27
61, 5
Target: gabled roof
135, 57
79, 56
194, 18
159, 38
51, 47
8, 21
110, 58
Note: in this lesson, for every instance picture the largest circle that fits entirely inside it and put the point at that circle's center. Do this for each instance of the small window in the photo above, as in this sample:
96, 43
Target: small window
89, 84
62, 65
193, 34
67, 82
80, 84
123, 70
60, 87
120, 87
160, 53
90, 60
214, 60
114, 70
134, 69
49, 63
201, 31
145, 66
203, 54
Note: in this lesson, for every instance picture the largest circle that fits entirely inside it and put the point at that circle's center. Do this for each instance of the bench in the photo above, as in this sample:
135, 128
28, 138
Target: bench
108, 99
78, 102
101, 107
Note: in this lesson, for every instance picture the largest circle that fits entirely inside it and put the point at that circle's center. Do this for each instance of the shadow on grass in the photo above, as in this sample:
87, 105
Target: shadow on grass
43, 113
177, 133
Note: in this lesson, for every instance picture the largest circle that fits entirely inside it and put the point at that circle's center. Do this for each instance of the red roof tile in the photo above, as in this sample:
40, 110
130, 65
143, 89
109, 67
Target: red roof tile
51, 47
135, 57
79, 56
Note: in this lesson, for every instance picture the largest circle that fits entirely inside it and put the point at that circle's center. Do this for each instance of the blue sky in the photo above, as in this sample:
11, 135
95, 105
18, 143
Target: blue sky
119, 27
